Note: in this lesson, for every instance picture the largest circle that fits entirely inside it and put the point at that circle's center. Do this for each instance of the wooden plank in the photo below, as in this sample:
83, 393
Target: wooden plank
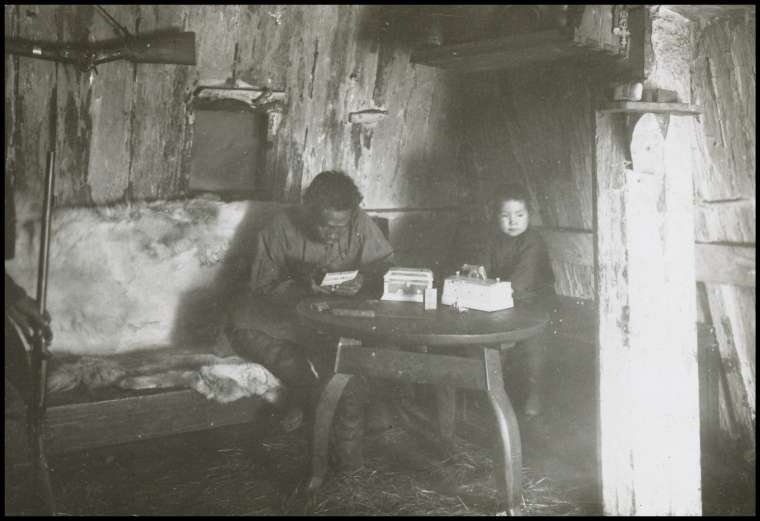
648, 376
510, 59
508, 44
705, 13
35, 82
731, 220
725, 175
709, 386
11, 124
412, 367
112, 92
680, 415
593, 37
97, 424
733, 317
616, 427
725, 264
159, 115
216, 28
74, 120
502, 53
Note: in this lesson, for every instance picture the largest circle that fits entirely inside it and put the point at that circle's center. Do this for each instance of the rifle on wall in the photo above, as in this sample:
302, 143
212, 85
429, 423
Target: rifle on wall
171, 47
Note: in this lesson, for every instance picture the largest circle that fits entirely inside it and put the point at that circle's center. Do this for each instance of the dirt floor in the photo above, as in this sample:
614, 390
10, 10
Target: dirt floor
254, 470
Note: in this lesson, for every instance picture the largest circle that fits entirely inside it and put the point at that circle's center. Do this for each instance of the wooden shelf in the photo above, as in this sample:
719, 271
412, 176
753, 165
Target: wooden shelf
679, 109
506, 52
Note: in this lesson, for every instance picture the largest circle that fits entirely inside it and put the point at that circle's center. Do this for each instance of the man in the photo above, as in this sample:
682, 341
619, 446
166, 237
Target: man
22, 317
328, 233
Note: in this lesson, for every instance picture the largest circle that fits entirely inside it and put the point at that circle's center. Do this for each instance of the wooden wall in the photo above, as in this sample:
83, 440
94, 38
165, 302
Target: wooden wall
125, 133
535, 125
521, 127
723, 83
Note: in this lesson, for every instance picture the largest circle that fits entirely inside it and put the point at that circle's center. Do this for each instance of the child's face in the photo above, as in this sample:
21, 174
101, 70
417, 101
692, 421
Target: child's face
513, 217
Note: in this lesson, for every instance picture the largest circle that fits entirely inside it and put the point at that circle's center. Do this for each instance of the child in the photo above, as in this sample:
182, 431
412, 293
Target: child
517, 253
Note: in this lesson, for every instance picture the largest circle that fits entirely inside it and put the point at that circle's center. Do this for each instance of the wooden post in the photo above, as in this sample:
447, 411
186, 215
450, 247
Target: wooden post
648, 376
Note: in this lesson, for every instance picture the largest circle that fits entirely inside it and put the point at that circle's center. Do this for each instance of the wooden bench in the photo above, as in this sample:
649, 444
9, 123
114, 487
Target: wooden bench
76, 420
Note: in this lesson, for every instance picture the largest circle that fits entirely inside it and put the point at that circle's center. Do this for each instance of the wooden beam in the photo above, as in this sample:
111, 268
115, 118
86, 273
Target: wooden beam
615, 427
648, 375
705, 13
506, 52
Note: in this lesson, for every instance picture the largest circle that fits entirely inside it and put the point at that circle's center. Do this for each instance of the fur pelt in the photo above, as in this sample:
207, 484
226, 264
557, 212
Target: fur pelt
223, 379
137, 276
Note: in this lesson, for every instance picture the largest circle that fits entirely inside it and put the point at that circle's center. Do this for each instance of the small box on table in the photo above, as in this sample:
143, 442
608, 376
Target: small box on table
407, 284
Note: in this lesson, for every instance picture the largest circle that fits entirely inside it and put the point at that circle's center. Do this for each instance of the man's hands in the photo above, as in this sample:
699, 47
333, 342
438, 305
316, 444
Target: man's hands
24, 312
346, 289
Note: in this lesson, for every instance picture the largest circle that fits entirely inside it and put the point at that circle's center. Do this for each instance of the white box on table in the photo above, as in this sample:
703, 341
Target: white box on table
407, 284
480, 294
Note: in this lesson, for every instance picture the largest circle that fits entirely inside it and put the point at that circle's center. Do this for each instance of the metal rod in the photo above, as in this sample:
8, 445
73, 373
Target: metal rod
44, 258
113, 21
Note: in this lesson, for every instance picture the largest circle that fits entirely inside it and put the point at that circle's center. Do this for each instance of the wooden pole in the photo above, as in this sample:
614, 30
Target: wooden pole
648, 375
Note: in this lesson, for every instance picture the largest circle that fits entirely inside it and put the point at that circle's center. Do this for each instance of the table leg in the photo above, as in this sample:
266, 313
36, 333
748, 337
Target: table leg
446, 400
328, 402
509, 475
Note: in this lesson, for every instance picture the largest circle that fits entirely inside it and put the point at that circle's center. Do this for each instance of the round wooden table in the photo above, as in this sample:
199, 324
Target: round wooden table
366, 328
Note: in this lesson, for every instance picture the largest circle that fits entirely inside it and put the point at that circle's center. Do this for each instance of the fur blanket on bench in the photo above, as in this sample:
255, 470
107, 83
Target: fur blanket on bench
223, 379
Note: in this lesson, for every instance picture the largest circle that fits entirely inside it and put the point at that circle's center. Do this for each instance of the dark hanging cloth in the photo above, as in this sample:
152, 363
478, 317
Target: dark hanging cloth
10, 209
10, 219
